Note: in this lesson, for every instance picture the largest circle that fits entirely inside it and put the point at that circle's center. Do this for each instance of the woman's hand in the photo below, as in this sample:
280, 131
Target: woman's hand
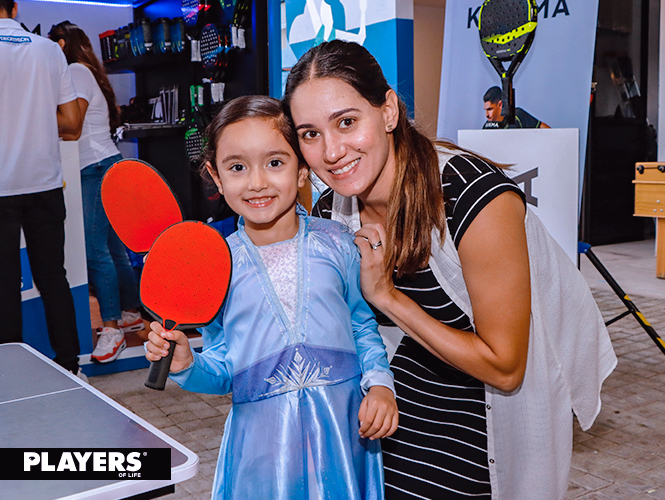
378, 413
376, 283
157, 347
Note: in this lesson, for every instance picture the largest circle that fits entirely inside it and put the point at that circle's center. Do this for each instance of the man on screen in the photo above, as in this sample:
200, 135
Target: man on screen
493, 106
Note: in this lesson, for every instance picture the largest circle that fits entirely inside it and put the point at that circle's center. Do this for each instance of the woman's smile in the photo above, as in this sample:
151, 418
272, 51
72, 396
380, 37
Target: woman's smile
347, 168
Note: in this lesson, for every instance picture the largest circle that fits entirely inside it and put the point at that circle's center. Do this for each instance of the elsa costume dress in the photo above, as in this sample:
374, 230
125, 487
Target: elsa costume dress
298, 346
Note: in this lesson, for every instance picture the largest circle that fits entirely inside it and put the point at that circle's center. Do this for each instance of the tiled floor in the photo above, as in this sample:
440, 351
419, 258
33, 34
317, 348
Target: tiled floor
621, 457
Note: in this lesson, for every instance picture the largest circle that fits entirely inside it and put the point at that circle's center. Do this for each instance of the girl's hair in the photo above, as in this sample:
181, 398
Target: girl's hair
242, 108
78, 49
416, 203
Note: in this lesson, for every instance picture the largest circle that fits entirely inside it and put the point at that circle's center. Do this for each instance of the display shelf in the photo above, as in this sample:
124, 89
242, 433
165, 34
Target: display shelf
148, 61
153, 131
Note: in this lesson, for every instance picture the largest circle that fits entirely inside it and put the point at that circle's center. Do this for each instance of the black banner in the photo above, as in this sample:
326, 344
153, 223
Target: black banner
85, 463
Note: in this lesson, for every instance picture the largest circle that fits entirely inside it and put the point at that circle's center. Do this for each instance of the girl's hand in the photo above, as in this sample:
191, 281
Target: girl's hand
378, 413
157, 347
376, 284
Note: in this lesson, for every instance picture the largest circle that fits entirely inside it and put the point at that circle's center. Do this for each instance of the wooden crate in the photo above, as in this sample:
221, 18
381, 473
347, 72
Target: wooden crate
650, 202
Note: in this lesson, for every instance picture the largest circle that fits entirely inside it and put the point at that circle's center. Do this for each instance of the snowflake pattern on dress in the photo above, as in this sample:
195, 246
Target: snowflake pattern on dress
299, 375
281, 262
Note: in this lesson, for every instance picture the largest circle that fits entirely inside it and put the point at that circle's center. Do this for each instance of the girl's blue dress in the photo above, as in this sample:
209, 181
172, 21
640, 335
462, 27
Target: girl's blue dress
293, 431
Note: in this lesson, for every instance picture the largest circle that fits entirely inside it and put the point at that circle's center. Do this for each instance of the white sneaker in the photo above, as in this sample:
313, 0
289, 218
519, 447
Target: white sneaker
110, 344
81, 375
131, 322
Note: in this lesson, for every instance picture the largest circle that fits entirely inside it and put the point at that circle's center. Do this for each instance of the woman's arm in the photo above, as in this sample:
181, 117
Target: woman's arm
73, 131
495, 263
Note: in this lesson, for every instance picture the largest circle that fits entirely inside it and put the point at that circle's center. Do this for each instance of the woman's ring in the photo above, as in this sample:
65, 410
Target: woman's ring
375, 245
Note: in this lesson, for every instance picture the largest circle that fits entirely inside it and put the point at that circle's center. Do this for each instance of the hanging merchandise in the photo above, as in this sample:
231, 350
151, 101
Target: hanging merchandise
178, 36
146, 28
194, 141
209, 11
507, 29
214, 46
190, 11
241, 18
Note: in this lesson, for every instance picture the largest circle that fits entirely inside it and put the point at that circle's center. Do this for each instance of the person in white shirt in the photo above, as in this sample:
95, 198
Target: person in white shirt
109, 270
37, 99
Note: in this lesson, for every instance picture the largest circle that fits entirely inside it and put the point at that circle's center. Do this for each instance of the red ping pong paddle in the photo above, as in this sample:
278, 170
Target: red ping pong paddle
184, 283
139, 203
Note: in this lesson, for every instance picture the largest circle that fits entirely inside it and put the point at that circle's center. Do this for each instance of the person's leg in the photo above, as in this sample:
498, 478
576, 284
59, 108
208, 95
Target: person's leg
44, 230
101, 269
129, 290
10, 270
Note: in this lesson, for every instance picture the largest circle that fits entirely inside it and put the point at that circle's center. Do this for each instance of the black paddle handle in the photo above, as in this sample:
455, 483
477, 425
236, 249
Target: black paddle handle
159, 370
508, 99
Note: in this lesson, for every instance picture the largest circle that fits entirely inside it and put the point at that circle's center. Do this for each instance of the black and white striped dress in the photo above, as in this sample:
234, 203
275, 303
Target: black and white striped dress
439, 450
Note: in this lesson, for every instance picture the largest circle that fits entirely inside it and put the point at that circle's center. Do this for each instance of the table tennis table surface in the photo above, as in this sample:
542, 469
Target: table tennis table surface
44, 406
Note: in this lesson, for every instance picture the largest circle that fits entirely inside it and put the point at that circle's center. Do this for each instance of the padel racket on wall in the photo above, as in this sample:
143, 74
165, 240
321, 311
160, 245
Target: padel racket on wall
507, 29
190, 14
184, 283
214, 45
194, 135
139, 203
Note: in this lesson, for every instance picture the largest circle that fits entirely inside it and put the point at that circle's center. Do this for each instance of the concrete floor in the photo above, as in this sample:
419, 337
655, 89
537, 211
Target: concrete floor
620, 457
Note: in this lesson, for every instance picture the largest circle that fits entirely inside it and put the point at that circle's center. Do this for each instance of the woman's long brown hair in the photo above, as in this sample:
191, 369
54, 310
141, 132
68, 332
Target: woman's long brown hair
78, 49
416, 204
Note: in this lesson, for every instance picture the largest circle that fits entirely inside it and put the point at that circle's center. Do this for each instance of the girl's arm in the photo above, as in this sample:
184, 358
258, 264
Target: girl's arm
495, 264
204, 372
378, 413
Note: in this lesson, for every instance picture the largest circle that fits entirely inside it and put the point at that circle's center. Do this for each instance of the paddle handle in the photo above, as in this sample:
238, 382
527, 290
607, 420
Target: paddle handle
159, 370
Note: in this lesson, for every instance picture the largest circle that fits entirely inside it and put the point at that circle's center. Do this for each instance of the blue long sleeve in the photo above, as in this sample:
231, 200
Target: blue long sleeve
371, 351
208, 373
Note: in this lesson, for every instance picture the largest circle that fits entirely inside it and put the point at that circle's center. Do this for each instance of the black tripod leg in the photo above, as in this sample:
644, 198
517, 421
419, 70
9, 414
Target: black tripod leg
632, 308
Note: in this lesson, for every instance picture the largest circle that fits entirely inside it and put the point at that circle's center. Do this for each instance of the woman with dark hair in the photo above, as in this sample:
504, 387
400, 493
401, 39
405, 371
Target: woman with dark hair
495, 335
109, 270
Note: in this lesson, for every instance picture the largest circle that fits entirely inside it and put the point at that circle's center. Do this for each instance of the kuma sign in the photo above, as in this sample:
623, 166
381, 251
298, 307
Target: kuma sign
561, 8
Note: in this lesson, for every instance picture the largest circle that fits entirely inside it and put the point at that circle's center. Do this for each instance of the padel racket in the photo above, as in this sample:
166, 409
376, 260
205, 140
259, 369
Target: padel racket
190, 14
214, 43
507, 29
184, 283
194, 140
139, 203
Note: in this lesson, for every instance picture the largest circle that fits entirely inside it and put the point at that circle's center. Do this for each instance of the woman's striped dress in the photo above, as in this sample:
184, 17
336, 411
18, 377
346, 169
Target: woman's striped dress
440, 448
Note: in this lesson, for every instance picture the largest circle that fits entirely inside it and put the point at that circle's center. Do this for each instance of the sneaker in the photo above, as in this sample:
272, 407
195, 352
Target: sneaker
81, 375
110, 344
131, 322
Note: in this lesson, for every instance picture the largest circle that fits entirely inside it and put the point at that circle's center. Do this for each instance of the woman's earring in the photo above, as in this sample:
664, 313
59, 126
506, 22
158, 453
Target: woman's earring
389, 128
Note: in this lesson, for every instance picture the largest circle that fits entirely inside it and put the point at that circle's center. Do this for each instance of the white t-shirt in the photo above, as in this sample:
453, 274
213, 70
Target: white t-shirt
95, 143
34, 81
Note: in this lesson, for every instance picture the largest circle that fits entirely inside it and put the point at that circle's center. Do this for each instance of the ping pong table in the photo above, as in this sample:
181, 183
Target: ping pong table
44, 406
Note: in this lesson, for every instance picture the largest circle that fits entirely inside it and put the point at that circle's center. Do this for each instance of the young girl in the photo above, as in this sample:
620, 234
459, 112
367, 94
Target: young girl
295, 342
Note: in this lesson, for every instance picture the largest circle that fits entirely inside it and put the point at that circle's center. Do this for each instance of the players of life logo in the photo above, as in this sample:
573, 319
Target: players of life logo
79, 463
